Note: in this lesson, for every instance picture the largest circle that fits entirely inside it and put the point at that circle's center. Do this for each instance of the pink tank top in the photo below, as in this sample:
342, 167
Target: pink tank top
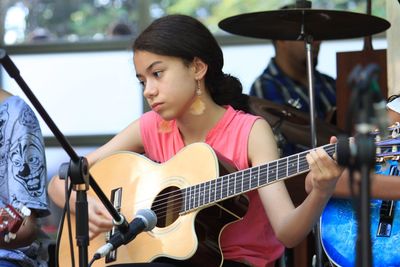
250, 240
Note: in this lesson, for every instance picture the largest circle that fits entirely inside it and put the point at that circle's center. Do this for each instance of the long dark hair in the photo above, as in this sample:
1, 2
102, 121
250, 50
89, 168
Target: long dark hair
184, 37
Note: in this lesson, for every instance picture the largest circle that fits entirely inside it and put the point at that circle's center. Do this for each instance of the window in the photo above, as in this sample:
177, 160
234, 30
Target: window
99, 20
87, 93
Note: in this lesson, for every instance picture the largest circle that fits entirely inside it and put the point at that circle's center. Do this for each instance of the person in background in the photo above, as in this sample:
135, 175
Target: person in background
22, 181
393, 109
382, 186
40, 34
285, 82
179, 64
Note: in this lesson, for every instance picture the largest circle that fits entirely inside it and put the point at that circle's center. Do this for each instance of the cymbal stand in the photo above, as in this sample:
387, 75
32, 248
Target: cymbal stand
308, 40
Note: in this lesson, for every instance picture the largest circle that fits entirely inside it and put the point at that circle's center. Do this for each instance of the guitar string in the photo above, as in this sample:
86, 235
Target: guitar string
167, 195
176, 204
178, 191
177, 196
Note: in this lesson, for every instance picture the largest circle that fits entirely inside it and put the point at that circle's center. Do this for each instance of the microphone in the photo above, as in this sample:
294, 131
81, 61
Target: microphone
366, 82
382, 119
145, 220
379, 103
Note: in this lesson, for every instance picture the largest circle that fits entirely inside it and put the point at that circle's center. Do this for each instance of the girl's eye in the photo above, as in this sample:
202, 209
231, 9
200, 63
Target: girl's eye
142, 84
157, 74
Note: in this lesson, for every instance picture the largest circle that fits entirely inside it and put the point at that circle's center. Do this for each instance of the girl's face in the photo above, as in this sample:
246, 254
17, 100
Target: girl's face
168, 84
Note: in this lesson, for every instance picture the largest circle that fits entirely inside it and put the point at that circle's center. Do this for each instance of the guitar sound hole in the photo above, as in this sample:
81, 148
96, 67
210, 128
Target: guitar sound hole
167, 206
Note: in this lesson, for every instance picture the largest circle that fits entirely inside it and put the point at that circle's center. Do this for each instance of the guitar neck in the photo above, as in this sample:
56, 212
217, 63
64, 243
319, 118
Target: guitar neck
239, 182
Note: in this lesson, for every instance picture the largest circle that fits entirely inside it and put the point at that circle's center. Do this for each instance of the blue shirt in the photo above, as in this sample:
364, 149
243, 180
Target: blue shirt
22, 169
274, 85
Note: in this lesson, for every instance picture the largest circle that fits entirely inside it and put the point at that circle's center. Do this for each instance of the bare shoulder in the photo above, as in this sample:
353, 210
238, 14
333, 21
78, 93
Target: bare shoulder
262, 132
262, 145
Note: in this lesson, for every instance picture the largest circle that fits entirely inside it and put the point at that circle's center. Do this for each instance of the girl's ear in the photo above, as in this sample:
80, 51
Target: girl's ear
200, 68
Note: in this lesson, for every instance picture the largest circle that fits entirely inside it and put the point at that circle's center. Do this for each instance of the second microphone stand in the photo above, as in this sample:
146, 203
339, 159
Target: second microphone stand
360, 154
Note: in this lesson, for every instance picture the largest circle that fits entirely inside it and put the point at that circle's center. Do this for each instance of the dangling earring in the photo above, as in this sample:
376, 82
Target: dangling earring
164, 126
198, 106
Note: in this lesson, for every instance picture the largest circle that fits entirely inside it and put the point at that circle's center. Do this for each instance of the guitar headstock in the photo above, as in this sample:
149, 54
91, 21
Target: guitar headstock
11, 219
387, 148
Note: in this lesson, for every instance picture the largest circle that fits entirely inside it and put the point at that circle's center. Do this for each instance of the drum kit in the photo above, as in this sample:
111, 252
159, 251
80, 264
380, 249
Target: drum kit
301, 23
304, 24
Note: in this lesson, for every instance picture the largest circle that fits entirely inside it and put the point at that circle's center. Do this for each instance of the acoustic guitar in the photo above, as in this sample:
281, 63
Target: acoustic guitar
193, 195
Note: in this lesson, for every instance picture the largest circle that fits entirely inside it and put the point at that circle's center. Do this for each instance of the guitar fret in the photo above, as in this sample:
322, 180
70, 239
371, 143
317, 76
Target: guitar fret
238, 183
303, 165
231, 184
287, 167
191, 205
218, 189
263, 174
281, 168
208, 187
212, 188
234, 185
186, 199
254, 180
202, 194
298, 163
196, 196
292, 166
242, 181
246, 180
272, 173
199, 195
224, 187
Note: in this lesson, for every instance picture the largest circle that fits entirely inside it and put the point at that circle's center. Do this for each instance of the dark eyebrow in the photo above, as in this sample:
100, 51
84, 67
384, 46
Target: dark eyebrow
149, 67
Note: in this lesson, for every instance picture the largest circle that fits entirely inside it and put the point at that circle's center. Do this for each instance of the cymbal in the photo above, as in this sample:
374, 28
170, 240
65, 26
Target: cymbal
294, 124
294, 24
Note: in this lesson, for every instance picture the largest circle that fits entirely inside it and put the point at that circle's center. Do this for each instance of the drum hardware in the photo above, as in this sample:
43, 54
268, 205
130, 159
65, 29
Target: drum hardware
304, 23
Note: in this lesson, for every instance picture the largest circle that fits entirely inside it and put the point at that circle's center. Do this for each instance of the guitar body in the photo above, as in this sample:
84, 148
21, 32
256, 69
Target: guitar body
339, 228
339, 233
190, 239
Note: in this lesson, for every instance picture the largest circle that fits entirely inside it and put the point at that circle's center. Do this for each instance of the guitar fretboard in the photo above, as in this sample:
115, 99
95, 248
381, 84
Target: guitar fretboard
243, 181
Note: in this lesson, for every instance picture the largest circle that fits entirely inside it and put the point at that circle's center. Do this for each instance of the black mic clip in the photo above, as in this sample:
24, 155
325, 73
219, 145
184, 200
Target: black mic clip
145, 220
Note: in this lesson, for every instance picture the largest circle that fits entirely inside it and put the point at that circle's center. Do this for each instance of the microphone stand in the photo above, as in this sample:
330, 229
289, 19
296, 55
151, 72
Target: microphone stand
361, 156
77, 170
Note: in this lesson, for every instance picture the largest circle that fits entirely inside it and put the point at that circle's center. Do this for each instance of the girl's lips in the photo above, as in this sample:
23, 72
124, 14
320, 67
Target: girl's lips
156, 106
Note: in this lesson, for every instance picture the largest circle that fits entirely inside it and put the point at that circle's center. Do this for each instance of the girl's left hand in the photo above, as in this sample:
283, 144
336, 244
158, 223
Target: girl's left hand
324, 171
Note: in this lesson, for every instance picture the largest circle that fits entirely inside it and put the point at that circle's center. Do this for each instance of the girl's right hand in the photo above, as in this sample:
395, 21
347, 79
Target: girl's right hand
100, 219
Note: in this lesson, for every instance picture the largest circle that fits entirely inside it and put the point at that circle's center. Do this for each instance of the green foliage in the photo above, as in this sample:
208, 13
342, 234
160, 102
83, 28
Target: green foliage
89, 18
212, 11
